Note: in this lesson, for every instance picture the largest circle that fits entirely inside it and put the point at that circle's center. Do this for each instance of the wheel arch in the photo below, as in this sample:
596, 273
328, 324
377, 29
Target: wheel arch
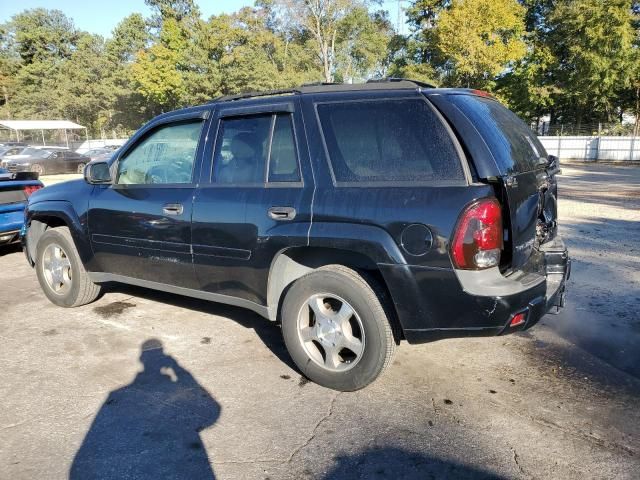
51, 214
292, 263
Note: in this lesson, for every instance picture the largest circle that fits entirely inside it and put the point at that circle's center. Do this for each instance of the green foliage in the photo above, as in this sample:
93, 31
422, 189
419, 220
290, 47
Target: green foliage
479, 39
578, 60
128, 38
581, 65
593, 43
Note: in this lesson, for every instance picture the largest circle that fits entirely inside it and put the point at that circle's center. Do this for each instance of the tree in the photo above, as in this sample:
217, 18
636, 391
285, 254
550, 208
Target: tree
128, 38
322, 19
86, 85
593, 41
41, 34
362, 42
156, 71
35, 43
479, 39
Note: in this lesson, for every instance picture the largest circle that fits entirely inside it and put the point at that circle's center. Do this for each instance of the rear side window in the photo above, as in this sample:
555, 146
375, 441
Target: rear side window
512, 143
388, 141
247, 146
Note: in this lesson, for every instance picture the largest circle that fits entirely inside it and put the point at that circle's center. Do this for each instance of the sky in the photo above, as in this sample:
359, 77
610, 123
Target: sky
101, 17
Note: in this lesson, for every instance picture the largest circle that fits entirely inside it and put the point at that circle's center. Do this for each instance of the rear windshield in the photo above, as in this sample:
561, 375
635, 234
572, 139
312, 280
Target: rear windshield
512, 143
377, 141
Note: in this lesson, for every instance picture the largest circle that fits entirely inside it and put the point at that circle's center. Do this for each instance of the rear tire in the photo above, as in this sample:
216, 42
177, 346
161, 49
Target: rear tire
336, 328
60, 271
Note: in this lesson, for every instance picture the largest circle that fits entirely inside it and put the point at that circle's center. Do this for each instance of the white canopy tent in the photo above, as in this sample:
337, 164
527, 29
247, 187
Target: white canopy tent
18, 126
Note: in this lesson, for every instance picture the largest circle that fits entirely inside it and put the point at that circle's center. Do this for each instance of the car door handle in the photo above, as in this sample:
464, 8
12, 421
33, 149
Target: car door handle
173, 209
282, 213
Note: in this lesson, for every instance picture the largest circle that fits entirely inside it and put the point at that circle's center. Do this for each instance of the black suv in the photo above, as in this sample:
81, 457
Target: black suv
356, 215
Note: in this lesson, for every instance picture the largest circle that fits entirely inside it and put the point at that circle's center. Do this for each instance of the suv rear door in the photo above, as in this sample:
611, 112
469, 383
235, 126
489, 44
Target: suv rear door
505, 152
254, 198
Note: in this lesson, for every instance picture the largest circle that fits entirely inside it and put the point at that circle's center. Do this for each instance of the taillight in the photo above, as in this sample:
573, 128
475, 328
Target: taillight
29, 189
478, 238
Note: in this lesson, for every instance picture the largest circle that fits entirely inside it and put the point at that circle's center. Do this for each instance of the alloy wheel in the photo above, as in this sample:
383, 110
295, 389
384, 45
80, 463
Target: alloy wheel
56, 267
331, 332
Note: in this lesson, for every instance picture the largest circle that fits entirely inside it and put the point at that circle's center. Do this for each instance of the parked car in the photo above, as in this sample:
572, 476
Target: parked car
15, 189
356, 215
96, 153
13, 144
105, 156
46, 160
9, 150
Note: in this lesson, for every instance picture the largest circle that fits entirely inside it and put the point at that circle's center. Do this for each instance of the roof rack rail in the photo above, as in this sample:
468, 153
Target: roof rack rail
268, 93
397, 79
320, 84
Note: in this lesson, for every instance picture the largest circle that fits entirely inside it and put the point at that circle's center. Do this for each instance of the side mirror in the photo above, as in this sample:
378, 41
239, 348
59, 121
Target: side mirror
97, 173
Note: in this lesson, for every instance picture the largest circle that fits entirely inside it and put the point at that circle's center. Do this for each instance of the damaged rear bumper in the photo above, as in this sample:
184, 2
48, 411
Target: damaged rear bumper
432, 304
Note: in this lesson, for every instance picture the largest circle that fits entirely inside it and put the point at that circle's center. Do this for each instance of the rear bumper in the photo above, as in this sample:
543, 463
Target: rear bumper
7, 237
11, 221
433, 304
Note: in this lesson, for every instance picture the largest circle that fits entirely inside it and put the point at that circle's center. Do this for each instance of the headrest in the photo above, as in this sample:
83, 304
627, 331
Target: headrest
241, 146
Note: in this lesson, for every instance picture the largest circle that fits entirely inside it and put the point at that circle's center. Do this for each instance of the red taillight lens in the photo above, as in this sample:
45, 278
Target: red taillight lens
478, 238
29, 189
518, 319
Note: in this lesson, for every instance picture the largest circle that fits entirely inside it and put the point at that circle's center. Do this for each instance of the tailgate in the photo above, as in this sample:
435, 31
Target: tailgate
507, 154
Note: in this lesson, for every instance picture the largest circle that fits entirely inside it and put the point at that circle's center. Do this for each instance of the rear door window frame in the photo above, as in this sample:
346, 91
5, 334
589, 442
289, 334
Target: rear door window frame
267, 110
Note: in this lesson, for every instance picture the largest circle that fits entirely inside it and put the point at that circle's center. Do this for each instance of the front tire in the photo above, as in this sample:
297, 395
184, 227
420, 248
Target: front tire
336, 328
80, 168
60, 271
37, 168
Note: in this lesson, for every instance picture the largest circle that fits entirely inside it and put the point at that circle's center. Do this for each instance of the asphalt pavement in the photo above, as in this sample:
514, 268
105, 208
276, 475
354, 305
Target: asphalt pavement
143, 384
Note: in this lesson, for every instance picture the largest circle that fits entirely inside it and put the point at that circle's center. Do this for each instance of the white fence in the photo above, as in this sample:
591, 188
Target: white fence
591, 149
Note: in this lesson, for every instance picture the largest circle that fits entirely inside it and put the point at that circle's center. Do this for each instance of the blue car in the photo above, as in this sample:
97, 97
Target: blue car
15, 189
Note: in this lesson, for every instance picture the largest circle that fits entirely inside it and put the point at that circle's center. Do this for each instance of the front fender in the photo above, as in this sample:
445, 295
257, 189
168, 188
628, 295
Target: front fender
56, 213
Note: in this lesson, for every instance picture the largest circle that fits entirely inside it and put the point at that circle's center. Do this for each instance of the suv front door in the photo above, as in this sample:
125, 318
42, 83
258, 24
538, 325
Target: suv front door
140, 225
254, 199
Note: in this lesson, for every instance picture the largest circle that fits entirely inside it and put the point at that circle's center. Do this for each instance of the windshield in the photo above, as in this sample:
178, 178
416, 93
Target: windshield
30, 151
42, 154
514, 146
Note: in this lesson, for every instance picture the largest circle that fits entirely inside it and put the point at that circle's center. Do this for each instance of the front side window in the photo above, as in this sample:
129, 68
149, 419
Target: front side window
248, 147
165, 156
400, 140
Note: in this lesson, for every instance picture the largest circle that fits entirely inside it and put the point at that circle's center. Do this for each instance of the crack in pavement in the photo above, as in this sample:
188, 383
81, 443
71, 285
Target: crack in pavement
297, 450
315, 428
515, 459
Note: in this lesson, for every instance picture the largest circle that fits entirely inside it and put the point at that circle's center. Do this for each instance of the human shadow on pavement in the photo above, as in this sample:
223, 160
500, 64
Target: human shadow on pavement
268, 332
150, 428
398, 463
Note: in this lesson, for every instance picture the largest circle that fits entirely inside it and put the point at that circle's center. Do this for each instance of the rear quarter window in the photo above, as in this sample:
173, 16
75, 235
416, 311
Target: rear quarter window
512, 143
388, 141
